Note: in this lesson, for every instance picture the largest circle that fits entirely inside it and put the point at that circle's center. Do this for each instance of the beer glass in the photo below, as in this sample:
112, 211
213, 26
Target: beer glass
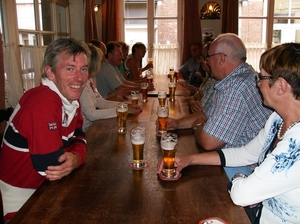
168, 144
134, 97
172, 75
137, 137
177, 75
162, 96
149, 77
144, 86
122, 111
163, 114
150, 60
172, 87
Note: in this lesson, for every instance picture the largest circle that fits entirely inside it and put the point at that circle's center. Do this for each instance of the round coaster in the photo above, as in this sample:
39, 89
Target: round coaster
177, 176
138, 168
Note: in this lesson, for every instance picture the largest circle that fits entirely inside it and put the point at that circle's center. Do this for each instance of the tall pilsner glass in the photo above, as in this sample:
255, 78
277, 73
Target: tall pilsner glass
172, 88
168, 144
137, 137
162, 96
163, 114
122, 111
144, 87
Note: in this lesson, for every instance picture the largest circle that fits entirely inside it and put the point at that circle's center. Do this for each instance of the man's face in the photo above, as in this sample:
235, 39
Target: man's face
70, 76
116, 57
195, 50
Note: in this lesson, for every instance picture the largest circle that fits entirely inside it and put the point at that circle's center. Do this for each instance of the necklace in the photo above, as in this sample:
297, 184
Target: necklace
281, 125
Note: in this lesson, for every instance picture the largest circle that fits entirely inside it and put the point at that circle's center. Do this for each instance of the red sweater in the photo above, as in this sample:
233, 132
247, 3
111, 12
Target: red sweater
36, 137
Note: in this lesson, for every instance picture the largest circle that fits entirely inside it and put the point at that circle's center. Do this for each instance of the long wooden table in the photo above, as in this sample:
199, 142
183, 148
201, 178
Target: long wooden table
106, 190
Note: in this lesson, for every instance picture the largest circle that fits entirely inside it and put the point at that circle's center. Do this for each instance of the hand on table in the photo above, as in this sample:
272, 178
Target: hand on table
69, 161
196, 106
180, 163
198, 95
172, 124
134, 109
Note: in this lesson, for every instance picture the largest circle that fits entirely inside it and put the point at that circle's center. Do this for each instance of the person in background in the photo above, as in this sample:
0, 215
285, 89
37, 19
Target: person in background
235, 114
43, 139
93, 105
125, 51
271, 193
133, 64
199, 100
110, 82
191, 66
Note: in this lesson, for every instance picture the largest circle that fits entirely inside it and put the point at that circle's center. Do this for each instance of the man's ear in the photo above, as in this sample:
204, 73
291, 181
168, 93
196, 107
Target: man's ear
49, 73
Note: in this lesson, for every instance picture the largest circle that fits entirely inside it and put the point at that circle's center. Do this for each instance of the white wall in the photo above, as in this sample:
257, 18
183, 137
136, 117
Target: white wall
212, 24
77, 19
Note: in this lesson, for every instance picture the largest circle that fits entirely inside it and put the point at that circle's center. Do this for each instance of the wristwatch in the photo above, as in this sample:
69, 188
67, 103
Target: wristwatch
239, 175
196, 126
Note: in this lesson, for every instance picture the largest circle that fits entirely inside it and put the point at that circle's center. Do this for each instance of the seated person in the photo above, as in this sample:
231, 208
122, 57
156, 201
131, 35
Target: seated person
93, 106
125, 50
199, 100
110, 82
191, 64
271, 193
43, 139
235, 113
133, 64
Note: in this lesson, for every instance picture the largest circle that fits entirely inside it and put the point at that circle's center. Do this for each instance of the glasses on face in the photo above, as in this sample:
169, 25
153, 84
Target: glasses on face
118, 53
208, 56
259, 77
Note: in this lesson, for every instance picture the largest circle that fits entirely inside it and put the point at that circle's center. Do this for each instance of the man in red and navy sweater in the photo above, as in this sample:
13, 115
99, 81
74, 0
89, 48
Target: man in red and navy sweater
44, 138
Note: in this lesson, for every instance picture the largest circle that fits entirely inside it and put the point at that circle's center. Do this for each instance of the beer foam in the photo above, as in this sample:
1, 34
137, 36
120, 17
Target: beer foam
135, 97
138, 140
122, 109
163, 113
168, 145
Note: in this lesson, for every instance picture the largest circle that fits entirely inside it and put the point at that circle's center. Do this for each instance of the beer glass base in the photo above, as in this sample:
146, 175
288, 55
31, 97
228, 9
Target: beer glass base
172, 100
176, 176
138, 166
169, 174
122, 131
144, 100
160, 133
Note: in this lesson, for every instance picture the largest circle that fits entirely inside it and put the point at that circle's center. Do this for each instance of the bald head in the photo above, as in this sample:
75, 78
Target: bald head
232, 45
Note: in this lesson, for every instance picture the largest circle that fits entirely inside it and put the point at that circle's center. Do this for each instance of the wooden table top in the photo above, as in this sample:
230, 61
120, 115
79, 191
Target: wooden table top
106, 190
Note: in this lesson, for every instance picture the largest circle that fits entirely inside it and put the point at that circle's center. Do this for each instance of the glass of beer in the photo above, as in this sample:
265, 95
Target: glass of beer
177, 75
134, 97
168, 144
172, 75
144, 86
122, 111
137, 137
150, 60
149, 77
162, 114
172, 87
162, 96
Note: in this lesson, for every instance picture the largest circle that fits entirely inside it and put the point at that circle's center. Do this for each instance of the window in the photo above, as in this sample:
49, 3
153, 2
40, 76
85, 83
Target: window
266, 23
40, 22
157, 24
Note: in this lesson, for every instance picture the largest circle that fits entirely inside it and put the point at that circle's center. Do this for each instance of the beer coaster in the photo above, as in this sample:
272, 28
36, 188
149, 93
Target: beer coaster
138, 168
170, 179
213, 220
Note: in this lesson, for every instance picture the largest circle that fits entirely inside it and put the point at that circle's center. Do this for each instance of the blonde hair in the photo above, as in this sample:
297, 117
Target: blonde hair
95, 60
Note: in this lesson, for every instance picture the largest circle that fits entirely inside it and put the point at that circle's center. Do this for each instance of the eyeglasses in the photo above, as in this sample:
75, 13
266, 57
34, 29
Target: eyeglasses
259, 77
118, 53
208, 56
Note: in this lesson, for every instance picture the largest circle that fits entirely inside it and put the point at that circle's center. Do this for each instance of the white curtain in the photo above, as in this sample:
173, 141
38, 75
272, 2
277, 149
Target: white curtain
21, 72
31, 63
165, 56
13, 81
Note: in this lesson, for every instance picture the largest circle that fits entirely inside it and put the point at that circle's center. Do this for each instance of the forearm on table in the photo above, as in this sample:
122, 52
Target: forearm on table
207, 158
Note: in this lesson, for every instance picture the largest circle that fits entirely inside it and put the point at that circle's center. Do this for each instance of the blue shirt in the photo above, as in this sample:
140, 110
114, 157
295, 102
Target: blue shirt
236, 113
